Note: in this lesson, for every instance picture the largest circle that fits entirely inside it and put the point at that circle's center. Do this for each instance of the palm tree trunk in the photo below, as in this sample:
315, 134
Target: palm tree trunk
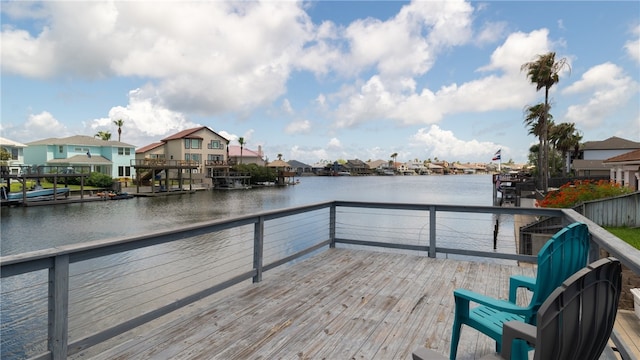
545, 149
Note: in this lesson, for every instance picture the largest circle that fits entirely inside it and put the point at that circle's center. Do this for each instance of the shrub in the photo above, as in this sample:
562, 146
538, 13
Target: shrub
579, 191
99, 180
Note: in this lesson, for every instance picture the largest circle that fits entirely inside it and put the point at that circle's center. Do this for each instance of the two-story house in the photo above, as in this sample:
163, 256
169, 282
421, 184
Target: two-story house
112, 158
15, 154
590, 159
200, 146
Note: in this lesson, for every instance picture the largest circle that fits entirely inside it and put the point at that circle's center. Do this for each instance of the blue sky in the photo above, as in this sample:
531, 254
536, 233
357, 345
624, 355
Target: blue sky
320, 80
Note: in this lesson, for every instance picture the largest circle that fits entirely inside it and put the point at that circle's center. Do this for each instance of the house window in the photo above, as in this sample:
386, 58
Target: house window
193, 143
14, 154
212, 157
193, 157
215, 144
60, 149
124, 171
124, 151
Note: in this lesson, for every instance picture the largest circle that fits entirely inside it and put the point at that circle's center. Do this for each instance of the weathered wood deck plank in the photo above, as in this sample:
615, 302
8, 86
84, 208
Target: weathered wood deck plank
337, 304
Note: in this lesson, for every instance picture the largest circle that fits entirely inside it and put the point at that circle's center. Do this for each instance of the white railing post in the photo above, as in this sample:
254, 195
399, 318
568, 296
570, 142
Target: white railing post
58, 307
258, 248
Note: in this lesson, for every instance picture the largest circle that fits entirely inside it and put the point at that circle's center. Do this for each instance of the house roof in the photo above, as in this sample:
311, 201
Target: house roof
189, 134
612, 143
81, 159
234, 150
298, 164
11, 143
149, 147
626, 157
279, 163
377, 163
83, 140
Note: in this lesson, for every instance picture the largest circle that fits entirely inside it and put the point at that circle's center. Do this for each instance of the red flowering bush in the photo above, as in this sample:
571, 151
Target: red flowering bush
579, 191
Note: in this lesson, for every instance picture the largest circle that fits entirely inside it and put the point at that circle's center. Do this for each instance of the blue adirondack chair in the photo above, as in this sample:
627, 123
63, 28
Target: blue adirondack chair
563, 255
574, 323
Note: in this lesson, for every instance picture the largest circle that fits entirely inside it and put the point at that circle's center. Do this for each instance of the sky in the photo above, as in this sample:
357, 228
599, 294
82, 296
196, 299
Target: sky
320, 80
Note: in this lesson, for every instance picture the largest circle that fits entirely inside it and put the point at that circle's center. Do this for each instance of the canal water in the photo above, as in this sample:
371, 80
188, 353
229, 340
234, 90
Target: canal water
23, 312
42, 227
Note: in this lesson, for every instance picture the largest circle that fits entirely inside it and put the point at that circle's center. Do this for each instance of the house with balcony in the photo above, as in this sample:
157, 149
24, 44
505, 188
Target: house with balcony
589, 161
15, 154
107, 157
200, 152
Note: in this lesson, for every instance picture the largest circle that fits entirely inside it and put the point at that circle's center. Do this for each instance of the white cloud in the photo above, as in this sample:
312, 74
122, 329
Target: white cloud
633, 46
491, 32
334, 143
229, 55
298, 127
145, 120
286, 107
607, 87
396, 99
39, 126
444, 145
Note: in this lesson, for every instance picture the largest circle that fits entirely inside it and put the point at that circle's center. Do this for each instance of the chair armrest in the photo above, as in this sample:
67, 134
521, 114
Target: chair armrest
501, 305
518, 281
514, 330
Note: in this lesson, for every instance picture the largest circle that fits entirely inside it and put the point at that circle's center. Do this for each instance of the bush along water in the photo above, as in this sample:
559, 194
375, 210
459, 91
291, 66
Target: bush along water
579, 191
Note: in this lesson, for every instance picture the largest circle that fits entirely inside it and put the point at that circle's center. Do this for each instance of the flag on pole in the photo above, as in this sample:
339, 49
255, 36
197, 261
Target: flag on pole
497, 155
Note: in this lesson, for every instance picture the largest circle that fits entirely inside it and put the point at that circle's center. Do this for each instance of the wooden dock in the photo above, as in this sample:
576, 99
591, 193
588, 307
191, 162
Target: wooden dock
340, 304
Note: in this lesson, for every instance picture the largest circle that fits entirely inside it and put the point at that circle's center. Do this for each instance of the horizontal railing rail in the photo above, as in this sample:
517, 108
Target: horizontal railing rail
348, 223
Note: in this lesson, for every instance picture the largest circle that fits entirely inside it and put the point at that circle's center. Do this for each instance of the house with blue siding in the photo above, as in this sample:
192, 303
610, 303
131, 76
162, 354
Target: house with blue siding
15, 151
107, 157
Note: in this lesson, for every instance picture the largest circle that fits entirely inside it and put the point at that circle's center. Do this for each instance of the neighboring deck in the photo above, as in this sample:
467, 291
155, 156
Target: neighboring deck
340, 304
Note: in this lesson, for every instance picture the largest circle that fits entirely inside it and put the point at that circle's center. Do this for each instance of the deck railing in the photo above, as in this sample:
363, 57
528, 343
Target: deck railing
242, 249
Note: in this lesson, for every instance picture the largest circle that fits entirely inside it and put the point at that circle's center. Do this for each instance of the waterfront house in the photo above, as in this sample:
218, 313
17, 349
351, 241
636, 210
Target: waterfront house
357, 167
16, 156
246, 156
435, 168
203, 149
300, 168
417, 166
380, 167
589, 161
625, 169
107, 157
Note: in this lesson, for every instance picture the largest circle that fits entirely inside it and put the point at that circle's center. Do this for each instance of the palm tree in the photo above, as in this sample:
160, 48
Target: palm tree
119, 123
104, 135
565, 137
534, 120
394, 156
279, 156
241, 142
544, 73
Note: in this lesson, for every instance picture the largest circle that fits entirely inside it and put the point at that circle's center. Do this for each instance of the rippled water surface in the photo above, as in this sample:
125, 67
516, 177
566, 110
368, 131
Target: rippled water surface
106, 290
41, 227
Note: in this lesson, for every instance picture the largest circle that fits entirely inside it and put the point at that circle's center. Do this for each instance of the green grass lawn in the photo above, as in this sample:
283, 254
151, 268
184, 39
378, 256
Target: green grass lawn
631, 236
17, 187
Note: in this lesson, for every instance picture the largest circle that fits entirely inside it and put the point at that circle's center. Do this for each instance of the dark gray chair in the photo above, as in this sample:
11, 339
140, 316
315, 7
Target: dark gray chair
577, 319
574, 322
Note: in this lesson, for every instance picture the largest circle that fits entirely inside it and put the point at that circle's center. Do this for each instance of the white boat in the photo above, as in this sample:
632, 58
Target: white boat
36, 195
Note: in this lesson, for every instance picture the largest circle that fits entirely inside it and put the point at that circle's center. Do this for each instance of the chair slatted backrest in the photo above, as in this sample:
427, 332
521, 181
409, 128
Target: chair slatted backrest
562, 256
577, 319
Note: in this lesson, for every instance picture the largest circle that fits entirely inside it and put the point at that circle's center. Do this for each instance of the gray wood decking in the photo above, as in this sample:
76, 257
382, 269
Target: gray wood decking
340, 304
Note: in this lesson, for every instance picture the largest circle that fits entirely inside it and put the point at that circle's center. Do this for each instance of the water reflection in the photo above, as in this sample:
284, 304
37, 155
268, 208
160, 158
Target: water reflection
107, 290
